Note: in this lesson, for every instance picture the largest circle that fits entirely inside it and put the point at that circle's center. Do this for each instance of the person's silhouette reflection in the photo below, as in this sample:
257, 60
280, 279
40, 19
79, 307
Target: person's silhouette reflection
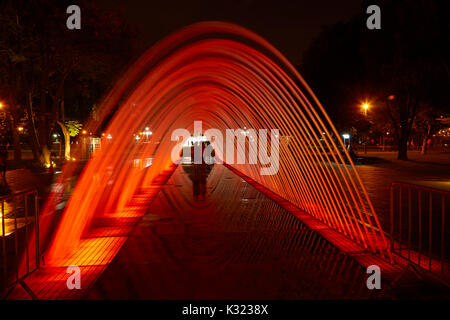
198, 172
199, 181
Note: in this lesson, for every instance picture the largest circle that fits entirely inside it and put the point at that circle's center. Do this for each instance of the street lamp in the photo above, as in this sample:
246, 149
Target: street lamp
365, 107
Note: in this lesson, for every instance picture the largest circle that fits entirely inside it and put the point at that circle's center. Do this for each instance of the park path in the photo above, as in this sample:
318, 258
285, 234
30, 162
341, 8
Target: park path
94, 251
431, 170
225, 240
25, 179
206, 234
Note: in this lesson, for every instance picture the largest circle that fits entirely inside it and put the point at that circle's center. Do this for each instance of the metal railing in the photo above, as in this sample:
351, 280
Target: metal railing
420, 226
19, 216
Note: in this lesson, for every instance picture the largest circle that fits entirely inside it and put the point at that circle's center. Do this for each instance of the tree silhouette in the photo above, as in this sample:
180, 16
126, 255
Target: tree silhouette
40, 57
403, 67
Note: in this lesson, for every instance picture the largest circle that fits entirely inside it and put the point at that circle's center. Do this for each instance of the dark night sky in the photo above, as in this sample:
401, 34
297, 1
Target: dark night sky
288, 24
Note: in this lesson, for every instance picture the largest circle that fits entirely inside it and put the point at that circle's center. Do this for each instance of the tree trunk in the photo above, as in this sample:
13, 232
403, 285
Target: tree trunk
407, 116
403, 144
425, 140
63, 115
44, 132
35, 145
16, 138
424, 145
66, 140
45, 124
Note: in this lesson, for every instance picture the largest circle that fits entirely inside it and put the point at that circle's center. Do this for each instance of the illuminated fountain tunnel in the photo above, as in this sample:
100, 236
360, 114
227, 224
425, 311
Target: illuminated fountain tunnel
227, 77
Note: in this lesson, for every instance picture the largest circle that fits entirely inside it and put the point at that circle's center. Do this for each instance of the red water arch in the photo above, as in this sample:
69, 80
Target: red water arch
227, 77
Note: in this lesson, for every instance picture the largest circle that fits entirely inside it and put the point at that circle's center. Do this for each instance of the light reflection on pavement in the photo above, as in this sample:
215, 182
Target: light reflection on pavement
225, 240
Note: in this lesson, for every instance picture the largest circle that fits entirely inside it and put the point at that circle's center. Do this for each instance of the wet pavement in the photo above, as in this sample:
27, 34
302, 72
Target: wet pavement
211, 235
208, 234
17, 210
382, 168
17, 181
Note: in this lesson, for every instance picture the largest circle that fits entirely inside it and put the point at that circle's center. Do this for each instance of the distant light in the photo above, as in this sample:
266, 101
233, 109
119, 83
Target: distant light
147, 132
84, 132
138, 138
346, 136
109, 136
365, 107
391, 97
55, 135
146, 129
194, 140
20, 129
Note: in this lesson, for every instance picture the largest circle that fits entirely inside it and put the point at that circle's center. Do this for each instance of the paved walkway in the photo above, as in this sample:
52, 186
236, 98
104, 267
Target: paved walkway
220, 238
209, 235
18, 180
383, 168
93, 253
25, 179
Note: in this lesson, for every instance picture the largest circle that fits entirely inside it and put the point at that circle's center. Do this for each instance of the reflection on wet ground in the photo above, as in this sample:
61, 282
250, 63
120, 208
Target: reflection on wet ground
211, 235
17, 213
12, 202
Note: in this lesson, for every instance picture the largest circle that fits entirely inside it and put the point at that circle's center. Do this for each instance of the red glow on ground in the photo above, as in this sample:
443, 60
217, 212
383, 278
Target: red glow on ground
95, 250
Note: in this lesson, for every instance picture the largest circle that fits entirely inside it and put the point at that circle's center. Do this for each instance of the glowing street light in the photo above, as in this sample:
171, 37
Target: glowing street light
365, 107
147, 131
